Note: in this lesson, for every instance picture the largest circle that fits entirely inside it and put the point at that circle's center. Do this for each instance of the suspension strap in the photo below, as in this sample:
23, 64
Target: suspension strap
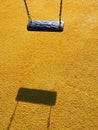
29, 16
60, 13
27, 10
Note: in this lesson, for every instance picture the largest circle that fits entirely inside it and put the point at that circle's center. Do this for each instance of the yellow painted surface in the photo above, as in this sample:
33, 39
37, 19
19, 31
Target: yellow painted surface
64, 62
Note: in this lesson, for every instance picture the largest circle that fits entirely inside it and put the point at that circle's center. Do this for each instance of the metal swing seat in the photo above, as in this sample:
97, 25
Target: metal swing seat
41, 25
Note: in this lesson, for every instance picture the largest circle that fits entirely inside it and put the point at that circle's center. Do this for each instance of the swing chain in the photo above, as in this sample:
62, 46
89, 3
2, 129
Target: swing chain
28, 14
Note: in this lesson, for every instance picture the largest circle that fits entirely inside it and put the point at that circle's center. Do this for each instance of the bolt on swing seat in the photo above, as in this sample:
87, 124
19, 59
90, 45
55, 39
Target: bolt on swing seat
41, 25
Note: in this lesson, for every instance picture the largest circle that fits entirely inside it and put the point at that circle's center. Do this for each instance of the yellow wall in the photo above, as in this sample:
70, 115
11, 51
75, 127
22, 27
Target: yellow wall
64, 62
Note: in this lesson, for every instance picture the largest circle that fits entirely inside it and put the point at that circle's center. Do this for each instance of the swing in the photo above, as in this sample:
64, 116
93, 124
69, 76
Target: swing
41, 25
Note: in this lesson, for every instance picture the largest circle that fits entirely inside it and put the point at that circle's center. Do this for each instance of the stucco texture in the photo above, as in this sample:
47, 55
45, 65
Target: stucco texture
41, 63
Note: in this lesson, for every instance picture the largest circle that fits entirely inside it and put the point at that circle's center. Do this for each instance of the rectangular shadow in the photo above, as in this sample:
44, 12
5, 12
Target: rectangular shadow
36, 96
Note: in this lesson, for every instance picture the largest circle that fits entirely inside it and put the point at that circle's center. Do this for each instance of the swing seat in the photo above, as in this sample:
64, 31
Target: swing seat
40, 25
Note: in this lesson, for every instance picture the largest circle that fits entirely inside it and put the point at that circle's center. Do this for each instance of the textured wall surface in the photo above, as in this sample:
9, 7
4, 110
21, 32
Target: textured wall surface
65, 63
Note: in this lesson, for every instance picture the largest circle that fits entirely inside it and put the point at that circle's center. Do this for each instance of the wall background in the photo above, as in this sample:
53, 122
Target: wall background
64, 62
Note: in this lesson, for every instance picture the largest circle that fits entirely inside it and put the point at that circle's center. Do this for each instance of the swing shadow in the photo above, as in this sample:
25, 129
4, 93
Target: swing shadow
36, 96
